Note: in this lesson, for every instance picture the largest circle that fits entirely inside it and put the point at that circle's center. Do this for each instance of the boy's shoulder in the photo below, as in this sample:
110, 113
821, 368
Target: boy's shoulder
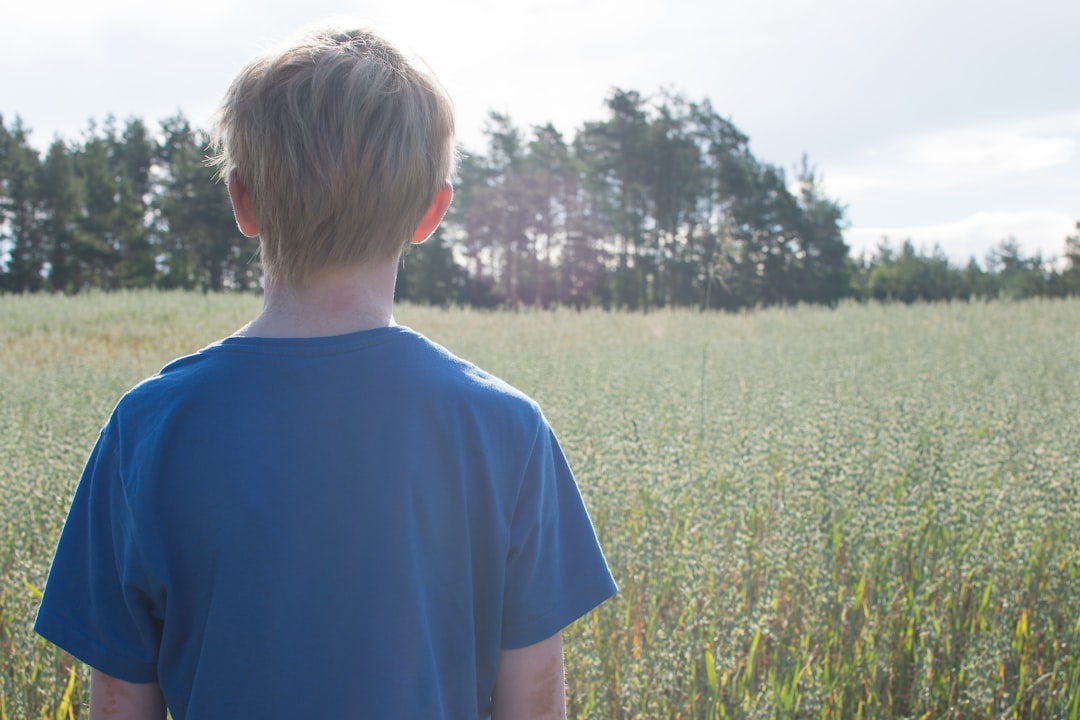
441, 381
459, 373
394, 361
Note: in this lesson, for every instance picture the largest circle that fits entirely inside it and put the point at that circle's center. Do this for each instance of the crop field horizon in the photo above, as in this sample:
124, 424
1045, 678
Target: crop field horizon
865, 512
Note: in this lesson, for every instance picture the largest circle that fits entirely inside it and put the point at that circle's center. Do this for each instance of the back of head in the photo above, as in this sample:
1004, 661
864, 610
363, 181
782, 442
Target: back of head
342, 141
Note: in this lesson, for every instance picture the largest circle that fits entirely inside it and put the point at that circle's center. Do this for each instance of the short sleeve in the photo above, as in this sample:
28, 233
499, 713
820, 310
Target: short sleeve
95, 604
556, 571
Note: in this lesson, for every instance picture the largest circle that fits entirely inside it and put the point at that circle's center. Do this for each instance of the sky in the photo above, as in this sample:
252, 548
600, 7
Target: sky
947, 122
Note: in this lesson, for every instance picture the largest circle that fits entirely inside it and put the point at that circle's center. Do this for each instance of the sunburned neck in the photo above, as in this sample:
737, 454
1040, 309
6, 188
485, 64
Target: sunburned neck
332, 302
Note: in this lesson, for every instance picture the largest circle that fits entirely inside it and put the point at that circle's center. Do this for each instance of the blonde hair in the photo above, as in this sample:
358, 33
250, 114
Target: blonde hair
342, 141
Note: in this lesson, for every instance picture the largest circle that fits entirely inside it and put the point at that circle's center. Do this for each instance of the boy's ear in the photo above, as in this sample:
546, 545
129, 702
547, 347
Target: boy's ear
243, 208
434, 214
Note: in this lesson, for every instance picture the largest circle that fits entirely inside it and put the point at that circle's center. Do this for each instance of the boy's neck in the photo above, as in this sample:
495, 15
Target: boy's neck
331, 302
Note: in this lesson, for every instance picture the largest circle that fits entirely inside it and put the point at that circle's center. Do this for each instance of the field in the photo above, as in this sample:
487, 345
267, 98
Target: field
863, 512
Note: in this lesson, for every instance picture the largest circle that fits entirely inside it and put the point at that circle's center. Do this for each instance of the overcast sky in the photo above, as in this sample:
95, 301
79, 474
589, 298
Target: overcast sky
944, 121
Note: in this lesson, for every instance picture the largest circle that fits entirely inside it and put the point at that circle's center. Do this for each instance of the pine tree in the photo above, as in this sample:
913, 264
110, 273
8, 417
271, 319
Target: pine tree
200, 245
62, 200
21, 233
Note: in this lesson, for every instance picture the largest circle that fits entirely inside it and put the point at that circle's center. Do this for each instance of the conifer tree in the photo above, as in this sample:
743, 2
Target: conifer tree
21, 234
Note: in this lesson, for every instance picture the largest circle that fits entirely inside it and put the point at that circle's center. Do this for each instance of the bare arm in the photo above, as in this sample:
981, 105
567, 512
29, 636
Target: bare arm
530, 681
112, 699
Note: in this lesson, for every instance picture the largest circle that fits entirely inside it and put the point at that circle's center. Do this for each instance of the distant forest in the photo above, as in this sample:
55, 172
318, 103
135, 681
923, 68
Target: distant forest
658, 204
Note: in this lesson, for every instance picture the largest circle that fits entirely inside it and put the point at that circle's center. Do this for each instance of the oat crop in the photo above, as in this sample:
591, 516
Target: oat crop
866, 512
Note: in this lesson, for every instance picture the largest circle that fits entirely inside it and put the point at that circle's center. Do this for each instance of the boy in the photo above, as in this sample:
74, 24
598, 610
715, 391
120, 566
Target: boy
325, 514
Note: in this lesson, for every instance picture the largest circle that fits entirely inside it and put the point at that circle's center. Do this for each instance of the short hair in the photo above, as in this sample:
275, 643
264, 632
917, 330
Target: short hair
342, 141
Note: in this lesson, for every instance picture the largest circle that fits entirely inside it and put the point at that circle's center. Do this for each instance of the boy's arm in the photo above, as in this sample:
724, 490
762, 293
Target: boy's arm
113, 699
530, 683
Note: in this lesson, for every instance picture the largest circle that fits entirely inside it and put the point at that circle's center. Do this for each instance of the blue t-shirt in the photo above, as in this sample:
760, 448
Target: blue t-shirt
350, 526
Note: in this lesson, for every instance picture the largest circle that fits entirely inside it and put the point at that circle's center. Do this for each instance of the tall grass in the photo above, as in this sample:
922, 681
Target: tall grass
867, 512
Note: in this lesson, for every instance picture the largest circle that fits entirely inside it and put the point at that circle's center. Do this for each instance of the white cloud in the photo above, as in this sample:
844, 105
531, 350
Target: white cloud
46, 28
955, 157
966, 154
1037, 231
845, 183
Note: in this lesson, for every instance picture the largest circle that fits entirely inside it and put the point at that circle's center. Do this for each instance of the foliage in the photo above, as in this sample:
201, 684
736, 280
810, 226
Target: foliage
122, 209
865, 512
658, 204
910, 276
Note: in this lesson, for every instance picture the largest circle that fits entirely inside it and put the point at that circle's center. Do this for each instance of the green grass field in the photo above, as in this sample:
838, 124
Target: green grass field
866, 512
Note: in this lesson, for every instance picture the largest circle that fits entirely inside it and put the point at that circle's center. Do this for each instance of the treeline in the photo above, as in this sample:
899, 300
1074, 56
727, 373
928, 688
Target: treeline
907, 275
123, 208
659, 204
